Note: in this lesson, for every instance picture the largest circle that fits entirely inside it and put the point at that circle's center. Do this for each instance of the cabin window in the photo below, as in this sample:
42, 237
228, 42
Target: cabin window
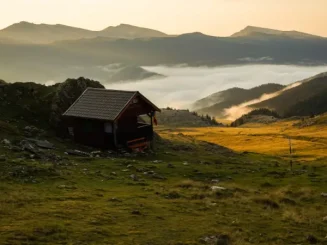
71, 131
108, 128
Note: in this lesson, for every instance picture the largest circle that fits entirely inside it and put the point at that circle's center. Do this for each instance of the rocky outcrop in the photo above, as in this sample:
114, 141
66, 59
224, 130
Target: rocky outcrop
66, 95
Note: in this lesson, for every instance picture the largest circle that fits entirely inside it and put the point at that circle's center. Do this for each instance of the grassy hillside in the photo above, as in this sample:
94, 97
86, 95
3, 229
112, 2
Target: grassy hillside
184, 118
308, 98
261, 115
35, 104
189, 192
217, 102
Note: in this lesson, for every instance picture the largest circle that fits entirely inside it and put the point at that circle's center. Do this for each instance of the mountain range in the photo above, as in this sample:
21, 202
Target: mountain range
54, 52
43, 33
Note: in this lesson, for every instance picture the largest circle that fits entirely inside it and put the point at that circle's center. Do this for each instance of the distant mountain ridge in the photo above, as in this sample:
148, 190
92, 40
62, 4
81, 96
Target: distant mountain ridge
251, 31
53, 52
44, 33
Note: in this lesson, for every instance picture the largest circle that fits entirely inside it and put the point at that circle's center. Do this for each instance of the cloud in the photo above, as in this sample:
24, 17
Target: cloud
182, 85
253, 60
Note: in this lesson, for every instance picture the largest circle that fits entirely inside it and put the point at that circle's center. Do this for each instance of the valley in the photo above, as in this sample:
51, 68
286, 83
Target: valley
130, 135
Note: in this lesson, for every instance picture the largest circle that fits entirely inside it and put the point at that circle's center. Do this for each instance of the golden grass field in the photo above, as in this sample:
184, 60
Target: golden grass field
309, 143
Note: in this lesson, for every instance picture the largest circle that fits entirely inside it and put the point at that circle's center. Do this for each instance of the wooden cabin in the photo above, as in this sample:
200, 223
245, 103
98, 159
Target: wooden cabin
109, 119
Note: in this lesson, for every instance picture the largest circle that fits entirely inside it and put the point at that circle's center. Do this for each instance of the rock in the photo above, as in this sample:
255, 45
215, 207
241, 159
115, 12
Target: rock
217, 188
32, 130
324, 219
170, 165
185, 163
133, 177
114, 173
78, 153
324, 194
215, 180
5, 142
27, 146
114, 199
42, 143
157, 161
156, 176
312, 239
130, 166
216, 240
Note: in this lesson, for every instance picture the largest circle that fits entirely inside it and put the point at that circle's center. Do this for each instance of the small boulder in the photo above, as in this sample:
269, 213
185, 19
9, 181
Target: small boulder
134, 177
216, 240
114, 199
28, 146
5, 142
78, 153
324, 194
42, 143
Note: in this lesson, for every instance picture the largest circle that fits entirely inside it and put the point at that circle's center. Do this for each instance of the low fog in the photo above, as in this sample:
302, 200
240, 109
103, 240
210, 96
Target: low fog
184, 85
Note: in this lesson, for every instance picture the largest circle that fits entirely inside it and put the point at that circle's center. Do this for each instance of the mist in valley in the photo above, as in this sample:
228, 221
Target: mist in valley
182, 85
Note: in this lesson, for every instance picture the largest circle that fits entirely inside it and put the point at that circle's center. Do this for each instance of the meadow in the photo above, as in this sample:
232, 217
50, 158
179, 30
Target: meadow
308, 143
186, 192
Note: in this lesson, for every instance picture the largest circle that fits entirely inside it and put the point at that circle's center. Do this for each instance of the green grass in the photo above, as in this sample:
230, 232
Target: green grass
81, 201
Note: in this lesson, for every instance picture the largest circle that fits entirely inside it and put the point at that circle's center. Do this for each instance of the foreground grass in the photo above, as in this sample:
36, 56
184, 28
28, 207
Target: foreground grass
119, 200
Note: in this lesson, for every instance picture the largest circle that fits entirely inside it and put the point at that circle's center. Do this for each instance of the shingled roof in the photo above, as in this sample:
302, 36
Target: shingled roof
102, 104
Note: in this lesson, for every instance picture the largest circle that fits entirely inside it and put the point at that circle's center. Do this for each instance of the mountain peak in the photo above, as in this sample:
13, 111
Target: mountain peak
22, 24
130, 31
251, 31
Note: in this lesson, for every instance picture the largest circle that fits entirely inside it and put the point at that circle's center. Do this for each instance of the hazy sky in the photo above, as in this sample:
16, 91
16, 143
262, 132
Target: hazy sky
215, 17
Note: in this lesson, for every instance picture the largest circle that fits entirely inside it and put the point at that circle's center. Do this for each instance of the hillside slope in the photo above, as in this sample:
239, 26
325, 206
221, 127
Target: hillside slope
40, 105
217, 102
308, 98
183, 118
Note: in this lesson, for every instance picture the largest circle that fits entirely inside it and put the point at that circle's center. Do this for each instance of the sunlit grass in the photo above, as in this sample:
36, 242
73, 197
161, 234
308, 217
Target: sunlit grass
308, 143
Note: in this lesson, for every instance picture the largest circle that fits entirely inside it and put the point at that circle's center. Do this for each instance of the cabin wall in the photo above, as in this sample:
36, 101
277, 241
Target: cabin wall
89, 132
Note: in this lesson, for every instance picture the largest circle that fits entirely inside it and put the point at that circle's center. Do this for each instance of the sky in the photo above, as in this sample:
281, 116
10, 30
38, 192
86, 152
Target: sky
212, 17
